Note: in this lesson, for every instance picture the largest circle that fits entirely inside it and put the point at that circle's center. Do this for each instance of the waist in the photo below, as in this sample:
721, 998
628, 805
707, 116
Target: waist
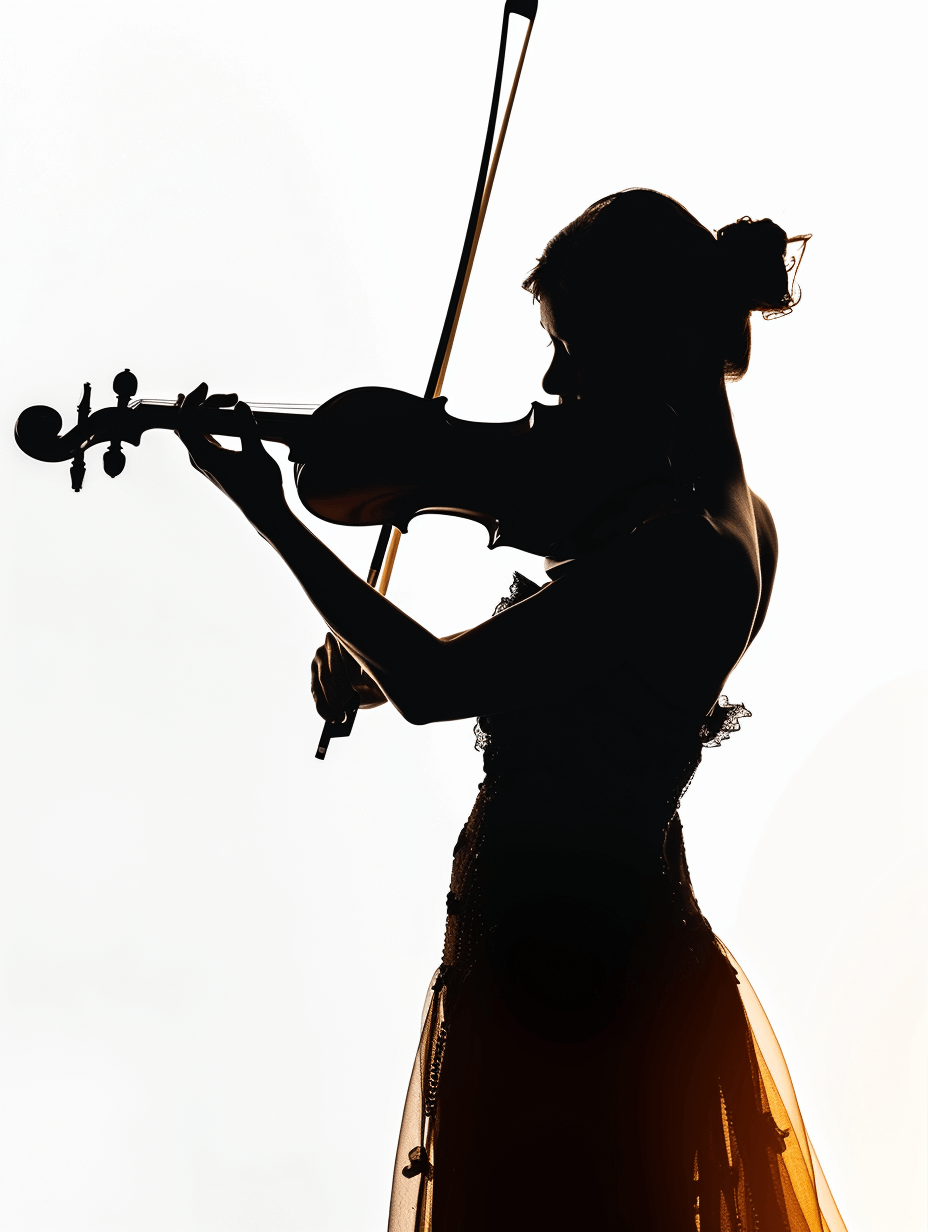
578, 818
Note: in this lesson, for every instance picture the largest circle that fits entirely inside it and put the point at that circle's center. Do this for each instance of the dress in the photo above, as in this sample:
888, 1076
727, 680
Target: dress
591, 1056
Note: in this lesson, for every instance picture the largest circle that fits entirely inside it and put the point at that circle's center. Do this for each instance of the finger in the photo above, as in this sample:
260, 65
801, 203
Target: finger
190, 427
331, 712
340, 692
351, 667
194, 398
337, 665
186, 428
326, 696
247, 427
315, 687
322, 706
215, 402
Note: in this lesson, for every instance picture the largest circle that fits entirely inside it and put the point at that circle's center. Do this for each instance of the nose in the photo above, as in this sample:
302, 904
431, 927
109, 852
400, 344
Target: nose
560, 378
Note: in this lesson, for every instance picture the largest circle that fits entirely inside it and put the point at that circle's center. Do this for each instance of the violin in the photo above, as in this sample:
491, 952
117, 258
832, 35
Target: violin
374, 456
405, 435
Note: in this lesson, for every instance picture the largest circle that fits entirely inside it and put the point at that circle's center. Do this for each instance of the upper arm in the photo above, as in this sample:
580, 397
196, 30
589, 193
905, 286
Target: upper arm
644, 611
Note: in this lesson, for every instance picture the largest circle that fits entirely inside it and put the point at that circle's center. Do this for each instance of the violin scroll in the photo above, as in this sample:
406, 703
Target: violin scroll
38, 429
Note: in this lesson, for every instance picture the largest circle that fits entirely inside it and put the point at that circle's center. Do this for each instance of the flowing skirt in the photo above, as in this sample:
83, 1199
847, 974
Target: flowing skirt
658, 1104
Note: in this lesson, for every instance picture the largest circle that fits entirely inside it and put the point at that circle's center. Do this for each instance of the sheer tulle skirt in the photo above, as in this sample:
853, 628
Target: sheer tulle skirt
660, 1103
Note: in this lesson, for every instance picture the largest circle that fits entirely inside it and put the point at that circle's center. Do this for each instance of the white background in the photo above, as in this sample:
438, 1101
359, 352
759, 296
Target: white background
214, 948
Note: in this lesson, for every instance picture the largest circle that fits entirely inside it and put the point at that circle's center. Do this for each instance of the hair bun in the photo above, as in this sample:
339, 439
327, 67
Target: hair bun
752, 254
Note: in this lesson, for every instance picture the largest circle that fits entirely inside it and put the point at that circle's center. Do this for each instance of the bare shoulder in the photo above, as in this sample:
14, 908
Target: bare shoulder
677, 566
737, 536
707, 567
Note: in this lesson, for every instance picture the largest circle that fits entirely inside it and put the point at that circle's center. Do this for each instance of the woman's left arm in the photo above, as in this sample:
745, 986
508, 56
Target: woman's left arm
400, 654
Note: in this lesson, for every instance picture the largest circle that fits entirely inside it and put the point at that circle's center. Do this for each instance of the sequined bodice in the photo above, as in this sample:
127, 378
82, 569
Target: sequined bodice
583, 811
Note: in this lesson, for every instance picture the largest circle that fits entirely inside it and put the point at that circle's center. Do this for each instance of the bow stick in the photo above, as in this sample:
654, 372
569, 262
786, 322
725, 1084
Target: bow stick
388, 541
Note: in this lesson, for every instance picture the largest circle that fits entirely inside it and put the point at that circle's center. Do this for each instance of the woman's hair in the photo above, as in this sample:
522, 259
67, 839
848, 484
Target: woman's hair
623, 271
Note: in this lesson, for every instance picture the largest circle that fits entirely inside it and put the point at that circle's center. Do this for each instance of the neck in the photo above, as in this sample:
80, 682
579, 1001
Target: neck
706, 441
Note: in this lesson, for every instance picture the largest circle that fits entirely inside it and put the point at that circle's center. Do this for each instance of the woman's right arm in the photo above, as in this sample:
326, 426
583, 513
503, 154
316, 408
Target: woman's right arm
337, 679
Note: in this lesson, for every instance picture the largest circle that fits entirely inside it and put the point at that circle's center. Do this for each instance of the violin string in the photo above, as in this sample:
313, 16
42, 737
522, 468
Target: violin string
261, 406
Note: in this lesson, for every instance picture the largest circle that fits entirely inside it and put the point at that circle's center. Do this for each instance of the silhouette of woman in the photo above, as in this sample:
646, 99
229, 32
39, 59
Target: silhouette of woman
589, 1058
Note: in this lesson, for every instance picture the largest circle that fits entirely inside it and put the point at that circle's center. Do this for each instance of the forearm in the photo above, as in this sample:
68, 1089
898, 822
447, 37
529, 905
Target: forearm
401, 655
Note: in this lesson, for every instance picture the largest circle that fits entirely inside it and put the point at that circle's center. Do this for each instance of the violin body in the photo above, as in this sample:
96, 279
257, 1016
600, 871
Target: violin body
374, 455
378, 455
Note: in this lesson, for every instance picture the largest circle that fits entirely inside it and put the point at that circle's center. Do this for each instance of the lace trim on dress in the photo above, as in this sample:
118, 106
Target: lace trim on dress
721, 722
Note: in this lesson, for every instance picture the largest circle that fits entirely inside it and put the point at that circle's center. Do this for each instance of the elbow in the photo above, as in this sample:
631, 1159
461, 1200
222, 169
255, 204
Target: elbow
424, 707
410, 703
418, 712
433, 693
420, 696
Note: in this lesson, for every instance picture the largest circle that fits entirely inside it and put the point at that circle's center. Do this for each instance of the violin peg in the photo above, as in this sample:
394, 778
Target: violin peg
83, 407
114, 460
125, 385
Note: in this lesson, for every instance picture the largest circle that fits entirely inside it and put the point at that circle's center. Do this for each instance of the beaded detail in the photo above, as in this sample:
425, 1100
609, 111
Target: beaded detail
721, 722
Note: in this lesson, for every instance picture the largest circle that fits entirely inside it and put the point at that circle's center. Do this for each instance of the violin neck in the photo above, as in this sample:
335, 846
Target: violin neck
286, 423
285, 427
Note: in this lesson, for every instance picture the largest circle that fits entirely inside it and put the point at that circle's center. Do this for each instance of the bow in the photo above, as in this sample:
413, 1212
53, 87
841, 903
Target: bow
388, 542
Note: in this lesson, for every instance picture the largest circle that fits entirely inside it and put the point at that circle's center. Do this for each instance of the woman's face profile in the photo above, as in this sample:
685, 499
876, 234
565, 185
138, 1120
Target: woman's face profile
562, 377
